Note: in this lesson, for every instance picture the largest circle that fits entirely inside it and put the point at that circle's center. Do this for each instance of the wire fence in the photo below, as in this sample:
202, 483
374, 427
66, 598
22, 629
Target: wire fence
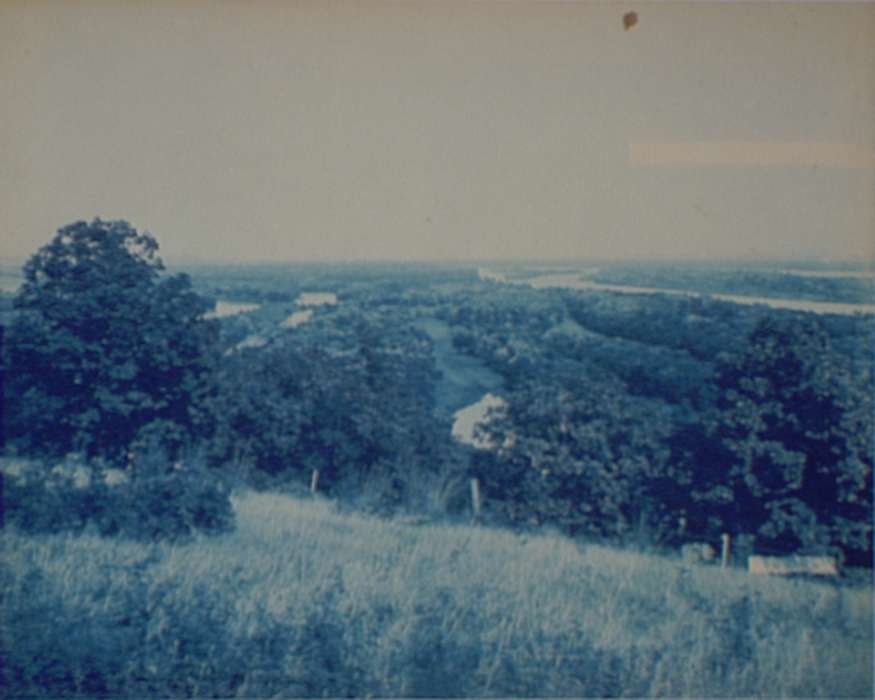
728, 545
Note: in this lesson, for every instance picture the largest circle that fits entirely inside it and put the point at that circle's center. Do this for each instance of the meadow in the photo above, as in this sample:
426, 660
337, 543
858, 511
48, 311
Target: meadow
303, 600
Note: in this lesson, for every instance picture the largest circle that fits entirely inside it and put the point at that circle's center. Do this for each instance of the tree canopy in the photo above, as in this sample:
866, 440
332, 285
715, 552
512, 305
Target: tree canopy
784, 456
103, 344
580, 455
796, 426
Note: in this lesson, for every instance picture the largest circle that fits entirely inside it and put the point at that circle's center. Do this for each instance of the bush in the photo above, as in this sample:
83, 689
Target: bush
150, 505
169, 506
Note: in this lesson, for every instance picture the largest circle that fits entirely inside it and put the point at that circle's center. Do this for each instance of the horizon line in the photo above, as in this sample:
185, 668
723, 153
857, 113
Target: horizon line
7, 260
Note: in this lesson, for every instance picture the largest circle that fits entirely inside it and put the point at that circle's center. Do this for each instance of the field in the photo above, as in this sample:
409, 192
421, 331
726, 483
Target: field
303, 600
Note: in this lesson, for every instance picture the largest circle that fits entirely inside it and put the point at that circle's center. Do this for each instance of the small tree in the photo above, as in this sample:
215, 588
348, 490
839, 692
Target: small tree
102, 344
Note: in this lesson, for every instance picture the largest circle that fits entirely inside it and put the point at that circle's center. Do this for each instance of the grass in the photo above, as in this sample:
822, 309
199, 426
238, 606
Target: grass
304, 601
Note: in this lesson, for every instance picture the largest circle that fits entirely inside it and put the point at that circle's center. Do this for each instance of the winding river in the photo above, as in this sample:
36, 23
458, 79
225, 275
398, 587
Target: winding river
573, 281
466, 386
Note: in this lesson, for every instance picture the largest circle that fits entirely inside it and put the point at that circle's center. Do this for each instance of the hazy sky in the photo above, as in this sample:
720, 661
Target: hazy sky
363, 130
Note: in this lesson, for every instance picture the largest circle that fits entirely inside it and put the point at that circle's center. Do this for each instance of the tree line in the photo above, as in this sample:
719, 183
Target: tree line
654, 418
667, 419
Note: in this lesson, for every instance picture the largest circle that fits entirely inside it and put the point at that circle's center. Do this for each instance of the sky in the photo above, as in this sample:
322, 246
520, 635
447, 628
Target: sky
274, 131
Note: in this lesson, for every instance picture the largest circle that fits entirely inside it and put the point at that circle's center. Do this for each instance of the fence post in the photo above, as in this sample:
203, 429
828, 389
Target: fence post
314, 481
475, 496
724, 556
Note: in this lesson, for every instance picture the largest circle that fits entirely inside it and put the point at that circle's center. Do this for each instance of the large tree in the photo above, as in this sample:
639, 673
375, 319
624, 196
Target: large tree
795, 423
578, 453
103, 344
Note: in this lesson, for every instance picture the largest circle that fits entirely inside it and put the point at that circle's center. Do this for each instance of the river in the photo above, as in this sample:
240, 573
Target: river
573, 281
464, 379
230, 308
465, 386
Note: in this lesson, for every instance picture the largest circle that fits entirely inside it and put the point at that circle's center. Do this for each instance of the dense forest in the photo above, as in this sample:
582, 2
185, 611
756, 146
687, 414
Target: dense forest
644, 418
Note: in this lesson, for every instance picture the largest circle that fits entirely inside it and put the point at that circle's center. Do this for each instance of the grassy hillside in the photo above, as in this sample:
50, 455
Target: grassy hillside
304, 601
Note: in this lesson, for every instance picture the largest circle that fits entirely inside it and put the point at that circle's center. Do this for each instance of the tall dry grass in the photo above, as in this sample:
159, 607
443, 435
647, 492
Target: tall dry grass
304, 601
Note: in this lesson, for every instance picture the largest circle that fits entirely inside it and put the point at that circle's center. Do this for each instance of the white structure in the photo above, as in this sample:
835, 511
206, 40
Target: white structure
788, 566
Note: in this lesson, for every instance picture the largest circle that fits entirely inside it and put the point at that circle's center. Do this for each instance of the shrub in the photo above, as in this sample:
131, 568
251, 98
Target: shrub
151, 505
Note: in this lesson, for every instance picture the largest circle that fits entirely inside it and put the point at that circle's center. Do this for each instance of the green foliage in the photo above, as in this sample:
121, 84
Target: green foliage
624, 420
702, 328
152, 504
55, 500
579, 455
676, 417
303, 602
102, 344
794, 425
353, 399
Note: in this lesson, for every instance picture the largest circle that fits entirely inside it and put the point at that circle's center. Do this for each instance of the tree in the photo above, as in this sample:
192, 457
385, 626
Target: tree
353, 399
577, 453
103, 345
797, 428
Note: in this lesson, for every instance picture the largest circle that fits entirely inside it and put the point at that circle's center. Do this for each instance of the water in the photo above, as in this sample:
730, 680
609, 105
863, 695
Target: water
298, 318
573, 281
466, 384
466, 420
464, 379
317, 299
309, 300
251, 341
230, 308
831, 274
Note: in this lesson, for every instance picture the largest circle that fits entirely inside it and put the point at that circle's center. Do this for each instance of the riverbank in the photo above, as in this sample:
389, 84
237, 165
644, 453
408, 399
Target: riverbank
575, 281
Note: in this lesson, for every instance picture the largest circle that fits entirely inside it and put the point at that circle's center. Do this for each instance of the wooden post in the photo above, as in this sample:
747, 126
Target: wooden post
314, 481
724, 557
475, 496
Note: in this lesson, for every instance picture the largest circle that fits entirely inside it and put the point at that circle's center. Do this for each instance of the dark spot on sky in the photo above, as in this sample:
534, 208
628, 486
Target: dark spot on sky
630, 19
